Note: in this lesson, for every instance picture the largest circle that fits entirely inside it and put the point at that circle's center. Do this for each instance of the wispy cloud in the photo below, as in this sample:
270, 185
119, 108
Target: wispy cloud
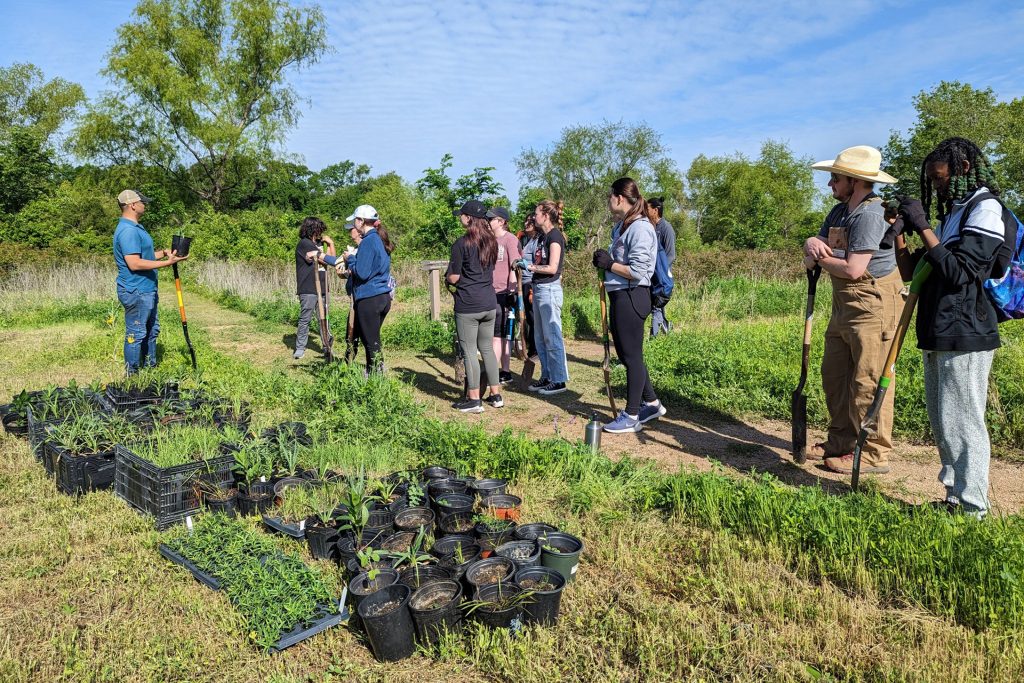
410, 81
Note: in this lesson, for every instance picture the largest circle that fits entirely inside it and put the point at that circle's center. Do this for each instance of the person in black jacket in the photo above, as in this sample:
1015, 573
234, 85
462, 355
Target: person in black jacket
957, 328
311, 239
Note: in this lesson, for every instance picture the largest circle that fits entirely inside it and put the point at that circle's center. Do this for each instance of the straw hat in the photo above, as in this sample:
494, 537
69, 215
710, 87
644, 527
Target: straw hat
857, 162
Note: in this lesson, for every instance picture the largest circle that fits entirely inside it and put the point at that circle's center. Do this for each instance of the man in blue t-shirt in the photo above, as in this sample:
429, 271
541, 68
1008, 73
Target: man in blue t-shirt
136, 280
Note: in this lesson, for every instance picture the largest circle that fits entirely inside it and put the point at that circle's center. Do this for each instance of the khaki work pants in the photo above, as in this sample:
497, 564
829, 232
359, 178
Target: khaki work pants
864, 316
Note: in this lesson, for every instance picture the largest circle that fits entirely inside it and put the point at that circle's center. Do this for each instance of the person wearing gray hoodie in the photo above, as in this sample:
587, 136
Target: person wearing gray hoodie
628, 266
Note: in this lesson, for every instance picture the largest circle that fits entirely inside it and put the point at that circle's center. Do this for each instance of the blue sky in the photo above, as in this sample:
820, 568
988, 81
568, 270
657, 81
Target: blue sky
409, 81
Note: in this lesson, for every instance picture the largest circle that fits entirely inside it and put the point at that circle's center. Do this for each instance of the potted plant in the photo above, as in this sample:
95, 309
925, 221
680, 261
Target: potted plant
415, 519
499, 605
503, 506
492, 531
435, 609
253, 463
561, 551
322, 530
388, 622
547, 585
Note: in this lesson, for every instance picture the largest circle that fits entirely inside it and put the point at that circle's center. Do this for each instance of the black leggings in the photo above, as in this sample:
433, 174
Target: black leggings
370, 314
629, 311
531, 345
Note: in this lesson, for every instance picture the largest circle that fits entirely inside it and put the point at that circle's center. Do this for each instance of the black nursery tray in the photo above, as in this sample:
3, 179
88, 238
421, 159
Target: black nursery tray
200, 575
301, 633
282, 527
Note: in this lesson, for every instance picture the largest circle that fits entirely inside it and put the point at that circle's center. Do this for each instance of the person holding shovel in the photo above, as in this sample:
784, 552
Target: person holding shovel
471, 271
866, 305
504, 283
957, 325
137, 263
547, 300
307, 266
628, 265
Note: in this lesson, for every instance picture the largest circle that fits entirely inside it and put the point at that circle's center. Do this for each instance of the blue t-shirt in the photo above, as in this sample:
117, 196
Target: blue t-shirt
132, 238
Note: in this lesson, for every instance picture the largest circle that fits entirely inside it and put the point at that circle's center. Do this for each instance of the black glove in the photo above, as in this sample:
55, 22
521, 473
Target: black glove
913, 215
899, 227
602, 259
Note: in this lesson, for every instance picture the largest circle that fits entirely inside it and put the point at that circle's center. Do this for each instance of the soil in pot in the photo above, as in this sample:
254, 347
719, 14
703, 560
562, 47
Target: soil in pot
447, 544
415, 519
490, 570
437, 472
388, 622
362, 585
546, 585
400, 542
561, 551
457, 564
530, 532
523, 553
457, 523
435, 610
503, 506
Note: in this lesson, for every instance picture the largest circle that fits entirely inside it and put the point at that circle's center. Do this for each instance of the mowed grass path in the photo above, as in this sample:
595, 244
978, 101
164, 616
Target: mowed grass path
89, 599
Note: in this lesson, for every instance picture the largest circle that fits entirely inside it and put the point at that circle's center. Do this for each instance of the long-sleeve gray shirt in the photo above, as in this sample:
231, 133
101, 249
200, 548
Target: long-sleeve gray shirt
667, 239
636, 247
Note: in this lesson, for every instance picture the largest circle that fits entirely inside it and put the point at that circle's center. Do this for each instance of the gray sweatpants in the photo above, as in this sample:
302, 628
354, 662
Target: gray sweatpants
307, 312
956, 391
475, 333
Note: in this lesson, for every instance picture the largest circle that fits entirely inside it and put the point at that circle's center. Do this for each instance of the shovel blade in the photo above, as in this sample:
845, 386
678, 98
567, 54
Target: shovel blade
799, 408
529, 366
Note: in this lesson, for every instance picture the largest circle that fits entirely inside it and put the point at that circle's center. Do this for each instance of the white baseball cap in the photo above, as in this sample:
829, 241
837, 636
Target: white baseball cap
364, 211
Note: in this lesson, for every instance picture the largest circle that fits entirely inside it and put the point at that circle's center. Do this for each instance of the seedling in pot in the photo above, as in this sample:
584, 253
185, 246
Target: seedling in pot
507, 600
415, 494
414, 556
386, 491
253, 462
357, 503
369, 559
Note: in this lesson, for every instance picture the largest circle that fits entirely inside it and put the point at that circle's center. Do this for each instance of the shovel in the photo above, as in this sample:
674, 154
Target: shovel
325, 330
799, 402
350, 331
870, 421
606, 364
180, 245
529, 364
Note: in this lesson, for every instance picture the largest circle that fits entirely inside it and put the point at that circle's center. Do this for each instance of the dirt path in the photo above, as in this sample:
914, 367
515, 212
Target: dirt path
680, 439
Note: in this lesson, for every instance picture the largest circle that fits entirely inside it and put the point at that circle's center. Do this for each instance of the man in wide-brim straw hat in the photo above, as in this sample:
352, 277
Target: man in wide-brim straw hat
866, 304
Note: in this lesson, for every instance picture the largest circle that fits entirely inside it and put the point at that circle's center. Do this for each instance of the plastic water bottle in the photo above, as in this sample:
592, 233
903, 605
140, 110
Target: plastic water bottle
593, 434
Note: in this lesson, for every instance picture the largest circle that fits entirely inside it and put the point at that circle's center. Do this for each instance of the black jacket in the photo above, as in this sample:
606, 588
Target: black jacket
954, 312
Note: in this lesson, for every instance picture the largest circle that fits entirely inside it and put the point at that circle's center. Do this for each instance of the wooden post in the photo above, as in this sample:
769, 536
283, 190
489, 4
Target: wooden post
434, 269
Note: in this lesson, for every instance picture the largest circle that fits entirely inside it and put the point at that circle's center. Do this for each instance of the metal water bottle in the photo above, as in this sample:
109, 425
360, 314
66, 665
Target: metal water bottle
593, 434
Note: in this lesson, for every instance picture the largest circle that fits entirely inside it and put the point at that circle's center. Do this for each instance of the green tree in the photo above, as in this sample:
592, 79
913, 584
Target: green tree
441, 196
756, 203
201, 84
582, 164
958, 109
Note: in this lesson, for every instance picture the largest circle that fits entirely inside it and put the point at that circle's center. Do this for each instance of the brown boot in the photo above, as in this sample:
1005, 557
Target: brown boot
843, 464
817, 452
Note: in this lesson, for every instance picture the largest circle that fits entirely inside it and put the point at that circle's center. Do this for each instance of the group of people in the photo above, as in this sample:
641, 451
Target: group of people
861, 246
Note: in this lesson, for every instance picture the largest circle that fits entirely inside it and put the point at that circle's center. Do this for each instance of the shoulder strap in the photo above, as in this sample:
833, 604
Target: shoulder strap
972, 203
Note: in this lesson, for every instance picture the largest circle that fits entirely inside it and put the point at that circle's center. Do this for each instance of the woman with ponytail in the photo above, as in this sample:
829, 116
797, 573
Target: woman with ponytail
547, 299
372, 284
628, 266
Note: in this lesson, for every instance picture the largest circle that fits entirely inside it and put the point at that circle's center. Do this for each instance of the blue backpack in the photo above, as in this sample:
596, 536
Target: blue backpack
662, 282
1005, 287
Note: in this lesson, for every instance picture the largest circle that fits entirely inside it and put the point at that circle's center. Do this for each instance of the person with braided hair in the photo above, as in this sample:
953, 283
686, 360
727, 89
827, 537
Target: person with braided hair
865, 308
957, 328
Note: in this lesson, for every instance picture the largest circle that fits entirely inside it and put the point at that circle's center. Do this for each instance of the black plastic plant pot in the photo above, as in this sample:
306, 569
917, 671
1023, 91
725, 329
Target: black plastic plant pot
286, 483
389, 623
447, 544
439, 487
415, 519
532, 531
399, 542
561, 551
453, 503
362, 585
225, 504
470, 554
498, 613
435, 610
374, 536
354, 569
421, 575
180, 244
523, 553
547, 585
492, 570
458, 524
257, 499
398, 504
437, 472
322, 540
494, 534
380, 518
15, 424
489, 487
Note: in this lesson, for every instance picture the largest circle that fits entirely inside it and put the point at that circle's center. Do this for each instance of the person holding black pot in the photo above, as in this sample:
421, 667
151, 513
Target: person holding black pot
136, 281
471, 270
628, 266
312, 241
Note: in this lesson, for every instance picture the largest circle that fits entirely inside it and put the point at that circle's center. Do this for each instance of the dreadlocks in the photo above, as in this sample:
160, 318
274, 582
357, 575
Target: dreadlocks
953, 152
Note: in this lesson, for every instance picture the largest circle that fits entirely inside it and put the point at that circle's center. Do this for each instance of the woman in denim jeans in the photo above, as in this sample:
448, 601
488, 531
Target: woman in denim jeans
547, 300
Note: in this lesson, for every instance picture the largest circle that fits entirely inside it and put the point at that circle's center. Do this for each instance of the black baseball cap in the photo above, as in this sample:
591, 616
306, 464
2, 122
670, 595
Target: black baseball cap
473, 208
498, 212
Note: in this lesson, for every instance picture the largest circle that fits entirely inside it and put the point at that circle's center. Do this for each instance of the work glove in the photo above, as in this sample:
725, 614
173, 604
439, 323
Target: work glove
519, 264
602, 259
913, 215
899, 227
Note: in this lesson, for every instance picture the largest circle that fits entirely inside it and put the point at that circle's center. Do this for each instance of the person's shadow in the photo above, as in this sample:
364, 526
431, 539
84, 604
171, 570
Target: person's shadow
312, 344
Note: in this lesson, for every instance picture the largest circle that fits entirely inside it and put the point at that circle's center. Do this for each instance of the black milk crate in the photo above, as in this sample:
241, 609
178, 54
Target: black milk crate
37, 434
117, 402
167, 493
78, 474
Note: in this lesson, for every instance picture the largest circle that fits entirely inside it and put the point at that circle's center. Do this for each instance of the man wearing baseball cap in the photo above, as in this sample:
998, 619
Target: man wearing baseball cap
136, 281
866, 304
